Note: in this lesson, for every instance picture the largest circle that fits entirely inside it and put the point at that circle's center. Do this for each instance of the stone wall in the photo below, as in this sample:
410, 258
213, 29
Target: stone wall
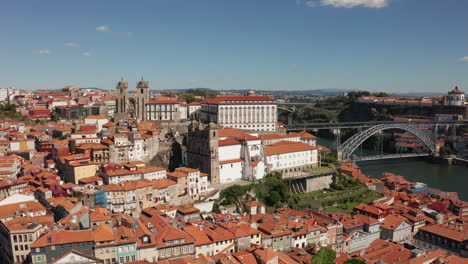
319, 182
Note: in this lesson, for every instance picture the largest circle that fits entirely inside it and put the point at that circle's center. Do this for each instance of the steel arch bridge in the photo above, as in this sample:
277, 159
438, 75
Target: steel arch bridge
350, 145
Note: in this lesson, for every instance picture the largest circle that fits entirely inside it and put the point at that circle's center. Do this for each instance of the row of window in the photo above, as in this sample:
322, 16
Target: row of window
161, 107
127, 259
175, 251
21, 247
23, 238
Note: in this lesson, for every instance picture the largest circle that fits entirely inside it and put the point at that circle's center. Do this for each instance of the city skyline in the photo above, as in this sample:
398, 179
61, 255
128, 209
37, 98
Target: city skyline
377, 45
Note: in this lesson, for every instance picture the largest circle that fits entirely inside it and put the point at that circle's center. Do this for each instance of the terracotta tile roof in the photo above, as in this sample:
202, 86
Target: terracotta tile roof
385, 251
124, 235
188, 209
57, 237
162, 183
216, 233
17, 209
245, 257
24, 222
197, 233
266, 255
222, 99
231, 161
254, 203
452, 233
453, 259
429, 257
235, 133
283, 147
100, 214
457, 91
163, 100
279, 136
103, 233
392, 221
96, 146
228, 142
305, 134
91, 179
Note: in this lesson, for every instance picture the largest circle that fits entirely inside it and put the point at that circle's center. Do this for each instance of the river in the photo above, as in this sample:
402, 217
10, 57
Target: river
440, 176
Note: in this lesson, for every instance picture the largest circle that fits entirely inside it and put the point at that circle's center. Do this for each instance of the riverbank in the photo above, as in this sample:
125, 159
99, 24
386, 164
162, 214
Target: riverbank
448, 160
449, 178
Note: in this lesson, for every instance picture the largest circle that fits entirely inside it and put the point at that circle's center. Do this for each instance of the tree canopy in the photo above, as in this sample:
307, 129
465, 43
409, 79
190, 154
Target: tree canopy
326, 255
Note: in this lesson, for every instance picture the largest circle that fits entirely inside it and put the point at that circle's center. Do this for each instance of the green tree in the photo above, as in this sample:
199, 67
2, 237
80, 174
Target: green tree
54, 116
354, 261
229, 195
327, 158
273, 198
326, 255
381, 94
190, 97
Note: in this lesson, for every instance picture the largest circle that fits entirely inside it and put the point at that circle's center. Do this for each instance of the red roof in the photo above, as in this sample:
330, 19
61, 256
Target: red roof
221, 99
56, 237
231, 161
287, 147
164, 100
235, 133
227, 142
456, 91
450, 232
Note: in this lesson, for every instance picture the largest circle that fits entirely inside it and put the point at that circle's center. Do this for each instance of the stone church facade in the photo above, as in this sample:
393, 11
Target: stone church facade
131, 104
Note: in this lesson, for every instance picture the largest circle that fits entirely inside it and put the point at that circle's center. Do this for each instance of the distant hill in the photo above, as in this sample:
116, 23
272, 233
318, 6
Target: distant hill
320, 92
417, 94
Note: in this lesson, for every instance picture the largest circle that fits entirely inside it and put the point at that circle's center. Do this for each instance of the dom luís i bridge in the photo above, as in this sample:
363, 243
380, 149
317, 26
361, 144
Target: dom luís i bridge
344, 150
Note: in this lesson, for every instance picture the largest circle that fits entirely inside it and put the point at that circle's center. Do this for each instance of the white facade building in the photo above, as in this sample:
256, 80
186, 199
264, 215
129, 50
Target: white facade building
163, 109
244, 156
288, 157
456, 97
99, 121
193, 110
249, 112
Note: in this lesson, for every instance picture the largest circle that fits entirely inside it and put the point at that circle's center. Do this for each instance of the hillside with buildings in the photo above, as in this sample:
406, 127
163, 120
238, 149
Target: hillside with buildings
79, 184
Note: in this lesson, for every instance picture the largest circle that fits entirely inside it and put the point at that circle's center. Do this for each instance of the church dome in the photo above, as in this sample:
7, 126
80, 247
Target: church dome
143, 84
122, 84
456, 91
251, 92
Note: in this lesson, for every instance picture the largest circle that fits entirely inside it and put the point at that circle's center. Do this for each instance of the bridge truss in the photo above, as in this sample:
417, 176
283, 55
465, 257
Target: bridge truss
350, 145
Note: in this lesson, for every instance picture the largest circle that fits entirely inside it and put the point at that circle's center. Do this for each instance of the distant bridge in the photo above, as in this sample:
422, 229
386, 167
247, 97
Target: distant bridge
391, 156
338, 125
345, 150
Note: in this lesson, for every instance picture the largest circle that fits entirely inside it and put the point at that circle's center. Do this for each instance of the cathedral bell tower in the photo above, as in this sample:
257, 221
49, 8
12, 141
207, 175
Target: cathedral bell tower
122, 96
142, 98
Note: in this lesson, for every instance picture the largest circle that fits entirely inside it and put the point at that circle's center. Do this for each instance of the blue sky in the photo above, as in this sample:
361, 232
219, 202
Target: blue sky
377, 45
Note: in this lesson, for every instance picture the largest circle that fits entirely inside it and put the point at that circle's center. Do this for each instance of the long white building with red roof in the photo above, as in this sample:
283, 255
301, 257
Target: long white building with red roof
249, 112
235, 155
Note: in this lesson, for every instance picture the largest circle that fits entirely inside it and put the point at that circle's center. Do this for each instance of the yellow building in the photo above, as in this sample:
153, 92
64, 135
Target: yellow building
78, 169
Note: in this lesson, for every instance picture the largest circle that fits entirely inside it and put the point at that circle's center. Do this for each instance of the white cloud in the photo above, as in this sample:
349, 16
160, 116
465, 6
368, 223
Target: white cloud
45, 52
103, 29
71, 44
311, 3
464, 59
355, 3
86, 54
108, 29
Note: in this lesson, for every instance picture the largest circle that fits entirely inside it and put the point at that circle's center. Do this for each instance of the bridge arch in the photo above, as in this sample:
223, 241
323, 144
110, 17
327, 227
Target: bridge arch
350, 145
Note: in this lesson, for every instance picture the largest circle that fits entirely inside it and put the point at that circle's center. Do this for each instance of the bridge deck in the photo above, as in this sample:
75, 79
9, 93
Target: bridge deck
306, 126
391, 156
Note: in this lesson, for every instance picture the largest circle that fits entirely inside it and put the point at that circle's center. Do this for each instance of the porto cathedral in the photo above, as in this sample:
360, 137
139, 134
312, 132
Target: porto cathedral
131, 104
